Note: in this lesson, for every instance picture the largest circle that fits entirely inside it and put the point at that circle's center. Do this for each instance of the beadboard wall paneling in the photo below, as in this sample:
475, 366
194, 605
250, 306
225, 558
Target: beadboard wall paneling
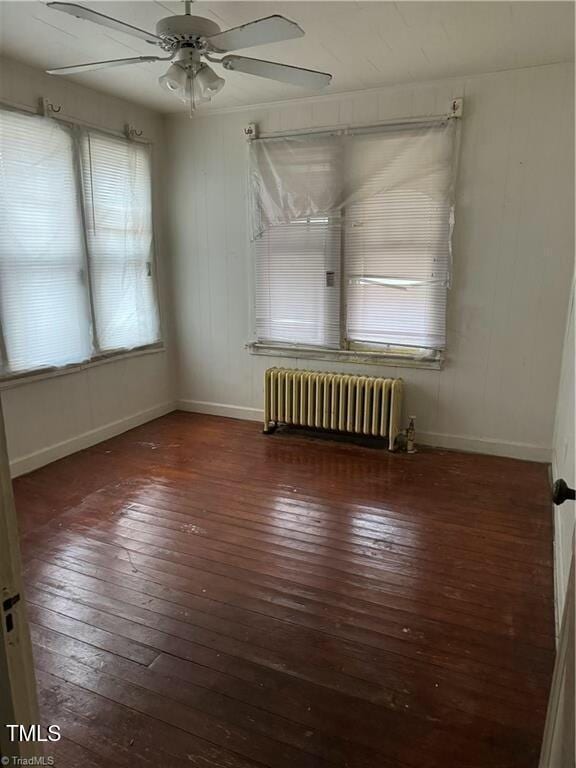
513, 253
52, 417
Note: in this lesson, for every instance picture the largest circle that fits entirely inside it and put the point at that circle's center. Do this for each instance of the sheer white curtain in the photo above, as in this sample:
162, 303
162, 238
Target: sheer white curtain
117, 193
44, 302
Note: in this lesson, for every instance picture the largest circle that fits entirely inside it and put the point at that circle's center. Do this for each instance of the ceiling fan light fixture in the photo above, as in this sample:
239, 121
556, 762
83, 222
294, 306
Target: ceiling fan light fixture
190, 82
209, 82
174, 79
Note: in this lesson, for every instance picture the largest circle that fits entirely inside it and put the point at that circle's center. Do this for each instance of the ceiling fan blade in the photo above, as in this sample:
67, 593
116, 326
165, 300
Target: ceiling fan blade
307, 78
102, 65
271, 29
104, 21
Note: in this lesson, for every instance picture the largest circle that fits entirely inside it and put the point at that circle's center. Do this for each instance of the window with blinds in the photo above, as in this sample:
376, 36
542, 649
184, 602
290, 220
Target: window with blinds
44, 306
371, 270
298, 283
76, 255
397, 242
298, 259
117, 195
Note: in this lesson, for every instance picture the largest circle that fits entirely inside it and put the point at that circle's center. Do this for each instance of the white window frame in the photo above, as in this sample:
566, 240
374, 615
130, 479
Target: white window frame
7, 381
350, 351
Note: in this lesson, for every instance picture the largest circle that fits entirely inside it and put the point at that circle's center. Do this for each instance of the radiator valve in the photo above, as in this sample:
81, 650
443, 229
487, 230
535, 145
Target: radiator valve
411, 435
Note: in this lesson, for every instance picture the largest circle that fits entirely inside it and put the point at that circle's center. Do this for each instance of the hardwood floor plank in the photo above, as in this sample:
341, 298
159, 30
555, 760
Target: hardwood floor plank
327, 749
308, 612
215, 722
68, 754
100, 638
129, 534
368, 559
147, 550
403, 675
314, 509
114, 730
119, 601
263, 629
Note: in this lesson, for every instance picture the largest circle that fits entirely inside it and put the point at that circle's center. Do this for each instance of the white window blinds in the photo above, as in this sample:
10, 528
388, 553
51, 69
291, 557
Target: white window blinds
298, 283
117, 194
76, 245
397, 240
298, 259
386, 197
44, 305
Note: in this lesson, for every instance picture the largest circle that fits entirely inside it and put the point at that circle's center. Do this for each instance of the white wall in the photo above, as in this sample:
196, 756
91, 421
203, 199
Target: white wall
51, 417
513, 254
564, 462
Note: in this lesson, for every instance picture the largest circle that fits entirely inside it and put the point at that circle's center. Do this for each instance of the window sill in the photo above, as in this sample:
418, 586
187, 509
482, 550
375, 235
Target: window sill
344, 356
29, 377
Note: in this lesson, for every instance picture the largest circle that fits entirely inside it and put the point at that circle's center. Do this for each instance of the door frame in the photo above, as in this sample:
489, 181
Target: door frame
559, 739
18, 695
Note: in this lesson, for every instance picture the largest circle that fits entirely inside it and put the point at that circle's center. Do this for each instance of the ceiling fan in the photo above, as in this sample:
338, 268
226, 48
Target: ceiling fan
189, 40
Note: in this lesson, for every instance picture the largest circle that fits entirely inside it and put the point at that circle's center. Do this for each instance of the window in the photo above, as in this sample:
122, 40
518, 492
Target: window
352, 239
44, 307
298, 295
298, 262
117, 192
76, 254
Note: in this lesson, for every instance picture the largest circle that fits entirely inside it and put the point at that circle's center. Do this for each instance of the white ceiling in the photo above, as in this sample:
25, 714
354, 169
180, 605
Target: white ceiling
363, 44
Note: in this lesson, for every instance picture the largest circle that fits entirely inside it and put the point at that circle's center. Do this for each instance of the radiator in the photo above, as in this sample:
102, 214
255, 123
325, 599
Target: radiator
364, 405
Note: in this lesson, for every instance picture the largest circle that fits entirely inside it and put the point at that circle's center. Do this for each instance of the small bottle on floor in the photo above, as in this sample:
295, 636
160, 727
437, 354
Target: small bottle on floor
411, 436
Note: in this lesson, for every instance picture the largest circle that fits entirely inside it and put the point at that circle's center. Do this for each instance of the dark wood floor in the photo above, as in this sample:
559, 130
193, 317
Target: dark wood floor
204, 595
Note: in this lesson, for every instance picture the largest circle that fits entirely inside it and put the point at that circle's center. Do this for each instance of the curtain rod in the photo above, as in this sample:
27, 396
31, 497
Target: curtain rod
68, 120
395, 122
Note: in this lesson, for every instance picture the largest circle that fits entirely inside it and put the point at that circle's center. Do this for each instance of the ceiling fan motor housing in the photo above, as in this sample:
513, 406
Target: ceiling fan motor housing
176, 31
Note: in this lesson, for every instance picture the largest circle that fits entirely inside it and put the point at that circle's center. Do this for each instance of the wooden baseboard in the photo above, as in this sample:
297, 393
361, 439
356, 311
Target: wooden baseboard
221, 409
454, 442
